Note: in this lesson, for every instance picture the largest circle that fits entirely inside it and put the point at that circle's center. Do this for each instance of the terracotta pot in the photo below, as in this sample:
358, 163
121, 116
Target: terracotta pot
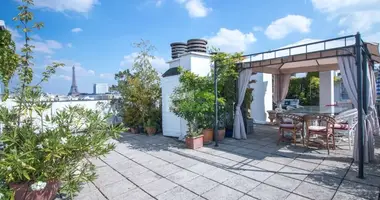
221, 134
207, 135
134, 130
23, 191
194, 142
150, 130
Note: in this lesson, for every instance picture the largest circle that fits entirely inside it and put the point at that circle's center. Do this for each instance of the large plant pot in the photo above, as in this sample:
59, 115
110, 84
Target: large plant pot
23, 191
207, 135
229, 133
221, 134
150, 130
134, 130
194, 142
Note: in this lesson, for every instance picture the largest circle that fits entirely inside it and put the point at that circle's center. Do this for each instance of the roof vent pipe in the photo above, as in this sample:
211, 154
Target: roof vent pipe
178, 48
197, 45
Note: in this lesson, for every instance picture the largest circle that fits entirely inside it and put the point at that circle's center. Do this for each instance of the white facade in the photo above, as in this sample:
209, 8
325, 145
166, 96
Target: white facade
262, 97
326, 88
101, 88
198, 63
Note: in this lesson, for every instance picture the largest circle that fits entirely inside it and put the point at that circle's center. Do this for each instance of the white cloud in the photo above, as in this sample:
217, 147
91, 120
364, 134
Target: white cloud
46, 46
107, 75
354, 15
159, 3
195, 8
69, 45
158, 62
67, 78
80, 6
76, 30
231, 40
292, 23
258, 28
375, 37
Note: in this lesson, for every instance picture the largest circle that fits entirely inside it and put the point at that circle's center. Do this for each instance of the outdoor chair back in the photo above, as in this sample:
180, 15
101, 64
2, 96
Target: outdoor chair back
345, 125
292, 123
320, 125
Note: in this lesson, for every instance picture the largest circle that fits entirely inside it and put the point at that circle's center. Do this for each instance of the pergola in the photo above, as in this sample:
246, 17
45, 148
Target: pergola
350, 54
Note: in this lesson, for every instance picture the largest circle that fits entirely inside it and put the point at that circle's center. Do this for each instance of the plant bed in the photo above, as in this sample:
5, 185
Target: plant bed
208, 135
194, 142
24, 191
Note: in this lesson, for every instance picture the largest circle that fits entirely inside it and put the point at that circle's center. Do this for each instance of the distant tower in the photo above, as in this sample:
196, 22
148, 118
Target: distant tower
74, 88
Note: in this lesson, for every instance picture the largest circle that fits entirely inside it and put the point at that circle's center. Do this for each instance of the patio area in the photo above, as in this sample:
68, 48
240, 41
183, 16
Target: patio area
157, 167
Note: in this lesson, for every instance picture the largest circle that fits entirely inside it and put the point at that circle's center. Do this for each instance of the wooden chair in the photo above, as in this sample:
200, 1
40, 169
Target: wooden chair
292, 123
323, 127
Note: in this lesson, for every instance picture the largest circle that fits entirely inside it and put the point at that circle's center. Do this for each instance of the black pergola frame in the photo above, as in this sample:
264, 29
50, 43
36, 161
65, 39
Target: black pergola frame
362, 55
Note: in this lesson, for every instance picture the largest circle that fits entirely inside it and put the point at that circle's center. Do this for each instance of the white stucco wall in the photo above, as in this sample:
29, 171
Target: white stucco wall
326, 88
262, 97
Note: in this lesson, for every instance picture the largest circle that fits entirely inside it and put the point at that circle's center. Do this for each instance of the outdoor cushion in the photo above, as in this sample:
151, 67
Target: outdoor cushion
317, 128
290, 125
341, 126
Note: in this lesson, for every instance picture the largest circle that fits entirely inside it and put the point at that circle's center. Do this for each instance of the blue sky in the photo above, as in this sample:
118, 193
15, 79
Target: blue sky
96, 35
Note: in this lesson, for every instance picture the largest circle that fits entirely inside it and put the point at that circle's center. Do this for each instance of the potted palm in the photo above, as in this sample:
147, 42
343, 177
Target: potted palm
150, 127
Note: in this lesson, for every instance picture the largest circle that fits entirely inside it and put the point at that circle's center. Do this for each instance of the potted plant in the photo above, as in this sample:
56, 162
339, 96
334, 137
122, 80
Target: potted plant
194, 140
43, 152
150, 127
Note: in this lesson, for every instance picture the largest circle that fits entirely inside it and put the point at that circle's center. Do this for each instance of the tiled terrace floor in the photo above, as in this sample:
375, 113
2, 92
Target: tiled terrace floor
157, 167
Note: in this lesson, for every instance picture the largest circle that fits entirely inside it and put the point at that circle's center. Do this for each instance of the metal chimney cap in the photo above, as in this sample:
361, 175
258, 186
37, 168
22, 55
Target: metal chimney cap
178, 44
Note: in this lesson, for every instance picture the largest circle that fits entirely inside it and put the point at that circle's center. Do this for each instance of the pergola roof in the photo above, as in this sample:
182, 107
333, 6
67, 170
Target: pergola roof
310, 57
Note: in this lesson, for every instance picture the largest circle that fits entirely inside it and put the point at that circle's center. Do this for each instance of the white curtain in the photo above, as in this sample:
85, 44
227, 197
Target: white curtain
349, 74
281, 83
239, 129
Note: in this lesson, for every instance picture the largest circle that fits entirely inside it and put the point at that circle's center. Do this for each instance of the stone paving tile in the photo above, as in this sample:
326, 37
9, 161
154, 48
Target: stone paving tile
257, 173
234, 157
296, 197
371, 169
133, 171
246, 197
171, 157
314, 191
219, 175
118, 188
124, 165
243, 151
144, 178
324, 180
335, 163
135, 194
144, 158
241, 183
159, 186
182, 176
222, 192
312, 158
155, 163
269, 166
283, 182
186, 162
279, 159
95, 195
166, 170
258, 155
177, 193
113, 157
202, 168
309, 166
369, 179
358, 189
330, 171
266, 192
294, 173
107, 175
200, 185
344, 196
97, 162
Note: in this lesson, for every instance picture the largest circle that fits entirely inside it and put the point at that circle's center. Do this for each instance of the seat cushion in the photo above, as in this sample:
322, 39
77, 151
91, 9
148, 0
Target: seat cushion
317, 128
291, 126
342, 126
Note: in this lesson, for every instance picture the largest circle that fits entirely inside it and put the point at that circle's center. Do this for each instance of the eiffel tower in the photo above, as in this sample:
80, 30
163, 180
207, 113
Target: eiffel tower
74, 88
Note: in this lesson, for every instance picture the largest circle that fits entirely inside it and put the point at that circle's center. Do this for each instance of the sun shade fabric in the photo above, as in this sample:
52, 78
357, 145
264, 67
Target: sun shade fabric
239, 129
349, 74
281, 87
